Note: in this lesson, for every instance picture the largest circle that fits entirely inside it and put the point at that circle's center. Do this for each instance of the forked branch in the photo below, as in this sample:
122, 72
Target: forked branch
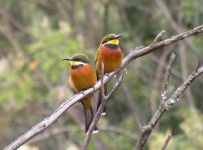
166, 104
105, 99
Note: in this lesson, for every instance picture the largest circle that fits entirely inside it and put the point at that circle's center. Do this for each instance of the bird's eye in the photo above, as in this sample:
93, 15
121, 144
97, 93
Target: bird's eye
105, 41
77, 59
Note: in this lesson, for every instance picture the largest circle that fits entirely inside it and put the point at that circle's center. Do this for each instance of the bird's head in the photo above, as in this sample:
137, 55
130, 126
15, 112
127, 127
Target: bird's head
111, 39
78, 59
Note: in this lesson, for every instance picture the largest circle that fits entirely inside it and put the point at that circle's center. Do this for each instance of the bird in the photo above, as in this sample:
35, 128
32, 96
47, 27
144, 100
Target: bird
110, 54
82, 76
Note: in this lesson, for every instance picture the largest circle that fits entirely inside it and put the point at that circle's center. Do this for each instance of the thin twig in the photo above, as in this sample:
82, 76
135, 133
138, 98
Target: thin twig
76, 98
166, 142
100, 110
198, 64
158, 76
167, 77
102, 82
97, 115
158, 36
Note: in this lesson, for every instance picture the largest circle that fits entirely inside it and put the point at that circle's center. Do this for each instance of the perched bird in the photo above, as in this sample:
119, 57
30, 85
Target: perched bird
82, 77
110, 54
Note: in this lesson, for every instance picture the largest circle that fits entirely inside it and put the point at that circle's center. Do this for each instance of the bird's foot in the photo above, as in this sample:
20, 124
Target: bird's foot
82, 92
107, 74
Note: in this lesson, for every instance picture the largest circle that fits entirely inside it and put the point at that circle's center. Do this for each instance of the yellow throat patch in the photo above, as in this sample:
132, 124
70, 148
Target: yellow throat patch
76, 63
114, 41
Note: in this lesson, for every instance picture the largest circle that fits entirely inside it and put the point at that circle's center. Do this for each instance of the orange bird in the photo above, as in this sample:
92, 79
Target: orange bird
110, 54
82, 77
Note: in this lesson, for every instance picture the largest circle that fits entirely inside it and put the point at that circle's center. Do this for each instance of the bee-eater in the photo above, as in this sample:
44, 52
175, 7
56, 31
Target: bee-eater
82, 76
110, 54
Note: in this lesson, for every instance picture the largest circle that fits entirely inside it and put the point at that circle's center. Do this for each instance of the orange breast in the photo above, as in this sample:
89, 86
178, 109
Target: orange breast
82, 78
112, 59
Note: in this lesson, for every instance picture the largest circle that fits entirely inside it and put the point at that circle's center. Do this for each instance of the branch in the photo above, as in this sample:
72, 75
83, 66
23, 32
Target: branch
76, 98
158, 36
158, 76
166, 142
167, 77
105, 99
147, 129
184, 74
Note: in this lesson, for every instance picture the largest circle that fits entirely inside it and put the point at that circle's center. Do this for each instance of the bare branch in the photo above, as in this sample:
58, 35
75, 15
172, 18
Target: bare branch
98, 113
158, 76
166, 142
147, 129
167, 77
198, 64
118, 83
100, 110
76, 98
184, 74
175, 97
102, 82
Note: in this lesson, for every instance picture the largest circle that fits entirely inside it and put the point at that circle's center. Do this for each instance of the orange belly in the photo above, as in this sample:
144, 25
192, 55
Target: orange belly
82, 78
112, 59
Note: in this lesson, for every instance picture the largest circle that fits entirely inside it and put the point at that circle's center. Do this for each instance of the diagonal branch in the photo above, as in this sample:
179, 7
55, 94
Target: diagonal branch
166, 142
76, 98
167, 77
105, 99
163, 107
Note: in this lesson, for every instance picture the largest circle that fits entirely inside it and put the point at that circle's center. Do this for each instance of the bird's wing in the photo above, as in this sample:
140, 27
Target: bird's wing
97, 54
96, 57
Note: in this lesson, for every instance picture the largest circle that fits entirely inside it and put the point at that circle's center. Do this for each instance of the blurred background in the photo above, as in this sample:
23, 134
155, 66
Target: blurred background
36, 34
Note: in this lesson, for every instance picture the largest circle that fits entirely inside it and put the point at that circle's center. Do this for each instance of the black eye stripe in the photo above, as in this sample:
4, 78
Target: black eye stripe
80, 60
105, 41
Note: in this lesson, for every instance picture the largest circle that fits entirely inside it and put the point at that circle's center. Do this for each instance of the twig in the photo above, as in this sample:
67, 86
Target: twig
166, 142
184, 74
102, 82
158, 76
198, 64
175, 97
158, 36
167, 77
100, 110
147, 129
76, 98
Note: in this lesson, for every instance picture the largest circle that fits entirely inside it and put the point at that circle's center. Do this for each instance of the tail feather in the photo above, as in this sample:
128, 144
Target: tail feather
88, 120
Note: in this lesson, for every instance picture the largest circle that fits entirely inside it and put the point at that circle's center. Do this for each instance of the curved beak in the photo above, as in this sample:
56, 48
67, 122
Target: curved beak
119, 35
68, 59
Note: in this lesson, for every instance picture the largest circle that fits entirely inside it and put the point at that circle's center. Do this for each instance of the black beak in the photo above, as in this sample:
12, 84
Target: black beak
69, 59
119, 35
